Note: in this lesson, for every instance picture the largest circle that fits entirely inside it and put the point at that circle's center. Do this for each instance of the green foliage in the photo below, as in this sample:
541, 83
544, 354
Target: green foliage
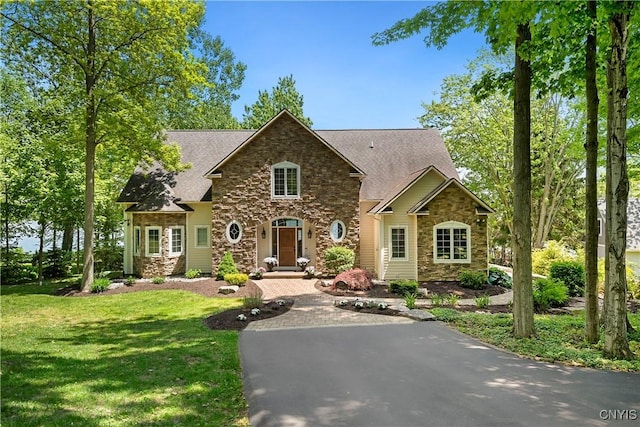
410, 300
16, 267
100, 285
237, 279
108, 256
227, 266
158, 280
445, 314
193, 273
57, 264
499, 277
473, 280
483, 301
253, 301
338, 259
283, 96
402, 287
452, 299
541, 259
549, 293
437, 300
571, 273
130, 280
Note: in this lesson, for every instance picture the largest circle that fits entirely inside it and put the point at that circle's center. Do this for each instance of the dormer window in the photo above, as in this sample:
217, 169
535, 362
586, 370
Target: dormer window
285, 181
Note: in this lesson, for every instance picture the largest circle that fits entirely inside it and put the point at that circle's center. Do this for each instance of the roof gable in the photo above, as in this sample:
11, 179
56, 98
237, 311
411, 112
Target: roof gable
419, 207
273, 122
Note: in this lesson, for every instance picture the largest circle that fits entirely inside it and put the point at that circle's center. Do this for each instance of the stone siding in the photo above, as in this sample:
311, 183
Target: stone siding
327, 193
452, 204
163, 265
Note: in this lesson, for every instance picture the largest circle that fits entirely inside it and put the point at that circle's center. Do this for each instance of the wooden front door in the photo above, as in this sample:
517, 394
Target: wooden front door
287, 248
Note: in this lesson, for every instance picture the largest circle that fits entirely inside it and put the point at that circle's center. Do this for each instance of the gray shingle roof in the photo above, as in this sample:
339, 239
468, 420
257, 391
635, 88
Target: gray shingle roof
633, 221
386, 156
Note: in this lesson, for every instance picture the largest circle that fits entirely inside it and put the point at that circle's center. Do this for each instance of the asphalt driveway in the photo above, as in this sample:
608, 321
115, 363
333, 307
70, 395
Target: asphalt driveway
421, 374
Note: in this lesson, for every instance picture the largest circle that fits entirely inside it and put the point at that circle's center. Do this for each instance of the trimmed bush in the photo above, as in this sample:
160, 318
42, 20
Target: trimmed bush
549, 293
338, 259
403, 287
571, 273
473, 280
499, 277
227, 266
193, 273
356, 280
100, 285
236, 279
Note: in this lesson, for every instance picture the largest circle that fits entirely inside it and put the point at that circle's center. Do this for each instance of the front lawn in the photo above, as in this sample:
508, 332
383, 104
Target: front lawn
141, 358
559, 338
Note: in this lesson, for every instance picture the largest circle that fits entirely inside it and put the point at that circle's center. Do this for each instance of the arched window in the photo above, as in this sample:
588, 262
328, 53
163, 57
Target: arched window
452, 242
234, 232
285, 181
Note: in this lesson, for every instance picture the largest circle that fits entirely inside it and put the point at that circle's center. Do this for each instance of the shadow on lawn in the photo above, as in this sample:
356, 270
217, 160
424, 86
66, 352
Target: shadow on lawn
160, 372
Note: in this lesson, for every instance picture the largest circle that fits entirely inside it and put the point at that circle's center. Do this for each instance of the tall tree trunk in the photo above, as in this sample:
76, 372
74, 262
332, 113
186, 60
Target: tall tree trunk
616, 344
67, 237
591, 183
41, 233
523, 325
90, 149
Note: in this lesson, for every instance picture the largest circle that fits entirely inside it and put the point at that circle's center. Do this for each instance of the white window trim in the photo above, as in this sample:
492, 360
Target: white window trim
171, 252
344, 231
195, 236
146, 241
406, 242
137, 232
450, 225
234, 241
285, 166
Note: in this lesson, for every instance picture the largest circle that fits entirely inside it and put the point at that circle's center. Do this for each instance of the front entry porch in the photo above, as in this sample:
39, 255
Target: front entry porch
286, 239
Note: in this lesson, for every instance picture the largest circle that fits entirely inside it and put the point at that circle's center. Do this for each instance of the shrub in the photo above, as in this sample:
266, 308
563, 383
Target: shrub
499, 277
236, 279
356, 280
56, 263
130, 280
193, 273
633, 282
158, 280
108, 255
227, 266
252, 301
16, 267
473, 280
542, 258
571, 273
548, 293
338, 259
100, 285
483, 301
452, 299
403, 287
410, 300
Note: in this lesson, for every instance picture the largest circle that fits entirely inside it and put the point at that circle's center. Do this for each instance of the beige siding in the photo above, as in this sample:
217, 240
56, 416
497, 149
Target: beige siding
128, 239
401, 269
199, 258
368, 237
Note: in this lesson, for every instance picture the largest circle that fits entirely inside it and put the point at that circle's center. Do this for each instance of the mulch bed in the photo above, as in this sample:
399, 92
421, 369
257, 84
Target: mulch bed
207, 287
228, 319
440, 288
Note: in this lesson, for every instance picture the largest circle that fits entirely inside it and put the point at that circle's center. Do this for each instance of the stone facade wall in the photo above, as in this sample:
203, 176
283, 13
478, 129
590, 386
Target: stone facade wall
163, 265
452, 204
327, 193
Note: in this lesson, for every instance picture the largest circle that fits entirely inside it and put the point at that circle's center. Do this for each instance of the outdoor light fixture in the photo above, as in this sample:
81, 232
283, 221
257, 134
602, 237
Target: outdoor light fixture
309, 234
263, 234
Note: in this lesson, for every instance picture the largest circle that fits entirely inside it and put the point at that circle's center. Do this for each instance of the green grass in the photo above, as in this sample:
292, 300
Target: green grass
141, 358
559, 338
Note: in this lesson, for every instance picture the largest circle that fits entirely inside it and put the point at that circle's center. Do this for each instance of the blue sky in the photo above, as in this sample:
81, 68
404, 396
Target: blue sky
346, 82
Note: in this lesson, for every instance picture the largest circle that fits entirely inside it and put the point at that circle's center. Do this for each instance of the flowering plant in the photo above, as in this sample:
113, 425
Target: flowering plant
241, 317
358, 304
270, 260
382, 305
343, 302
255, 311
310, 272
281, 302
258, 273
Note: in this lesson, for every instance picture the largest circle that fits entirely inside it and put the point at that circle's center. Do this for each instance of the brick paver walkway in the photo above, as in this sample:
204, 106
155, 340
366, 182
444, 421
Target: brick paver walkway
312, 308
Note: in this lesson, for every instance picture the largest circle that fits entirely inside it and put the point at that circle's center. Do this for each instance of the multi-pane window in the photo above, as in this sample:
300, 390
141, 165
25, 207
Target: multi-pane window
176, 241
337, 230
234, 232
285, 180
399, 243
202, 236
153, 241
452, 242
